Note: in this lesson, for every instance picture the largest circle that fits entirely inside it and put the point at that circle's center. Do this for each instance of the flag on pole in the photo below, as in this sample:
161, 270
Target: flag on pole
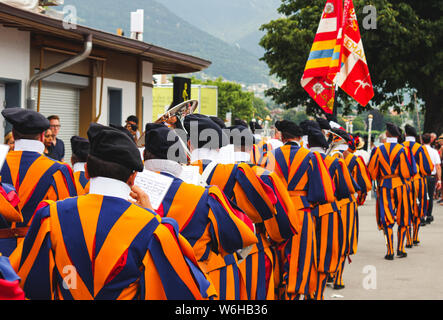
324, 61
354, 77
337, 58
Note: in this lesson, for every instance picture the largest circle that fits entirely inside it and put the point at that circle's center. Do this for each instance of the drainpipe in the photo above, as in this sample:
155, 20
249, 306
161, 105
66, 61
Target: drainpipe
30, 100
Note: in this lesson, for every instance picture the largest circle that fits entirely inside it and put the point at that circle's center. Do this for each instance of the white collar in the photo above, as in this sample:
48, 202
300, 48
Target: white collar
29, 145
204, 154
342, 147
412, 139
109, 187
275, 143
164, 165
391, 140
79, 166
242, 156
317, 149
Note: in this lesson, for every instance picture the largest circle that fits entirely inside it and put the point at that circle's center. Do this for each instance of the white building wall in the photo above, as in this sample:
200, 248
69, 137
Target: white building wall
128, 98
147, 94
14, 60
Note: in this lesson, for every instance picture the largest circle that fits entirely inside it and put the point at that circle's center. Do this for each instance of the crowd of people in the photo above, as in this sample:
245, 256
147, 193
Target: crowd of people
269, 218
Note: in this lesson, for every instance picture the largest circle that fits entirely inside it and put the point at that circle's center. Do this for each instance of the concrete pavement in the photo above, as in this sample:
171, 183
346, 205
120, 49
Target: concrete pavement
371, 277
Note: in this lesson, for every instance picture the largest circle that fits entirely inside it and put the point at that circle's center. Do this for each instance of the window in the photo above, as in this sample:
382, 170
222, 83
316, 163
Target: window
115, 106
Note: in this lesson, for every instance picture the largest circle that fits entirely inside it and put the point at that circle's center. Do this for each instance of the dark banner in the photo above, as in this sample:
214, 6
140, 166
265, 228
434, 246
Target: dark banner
182, 90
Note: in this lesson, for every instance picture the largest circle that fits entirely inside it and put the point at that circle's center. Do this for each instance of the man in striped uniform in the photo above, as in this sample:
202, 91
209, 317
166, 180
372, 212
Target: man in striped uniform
328, 223
417, 184
261, 268
33, 175
102, 246
80, 151
309, 183
390, 166
206, 218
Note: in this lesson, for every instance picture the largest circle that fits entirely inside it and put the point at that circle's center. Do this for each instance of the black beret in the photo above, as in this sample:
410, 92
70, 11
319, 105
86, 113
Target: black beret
159, 139
80, 148
254, 125
26, 121
289, 127
410, 131
112, 145
343, 134
393, 129
218, 121
241, 136
307, 124
122, 129
202, 122
323, 123
239, 122
316, 138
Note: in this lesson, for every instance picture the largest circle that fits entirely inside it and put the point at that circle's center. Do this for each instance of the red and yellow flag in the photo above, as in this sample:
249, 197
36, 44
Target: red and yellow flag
323, 63
337, 58
354, 76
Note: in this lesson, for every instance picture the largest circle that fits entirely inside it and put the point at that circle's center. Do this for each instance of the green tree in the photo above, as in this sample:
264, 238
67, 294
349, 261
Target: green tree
231, 98
404, 54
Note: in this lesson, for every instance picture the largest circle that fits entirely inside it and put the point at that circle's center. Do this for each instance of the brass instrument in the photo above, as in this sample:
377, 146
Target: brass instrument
179, 111
333, 144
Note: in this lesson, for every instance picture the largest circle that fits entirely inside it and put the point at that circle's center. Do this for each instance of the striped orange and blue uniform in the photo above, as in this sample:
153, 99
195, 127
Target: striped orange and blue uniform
259, 153
349, 217
361, 177
106, 248
309, 183
36, 178
391, 166
330, 233
81, 183
214, 229
9, 281
251, 195
9, 210
261, 268
419, 187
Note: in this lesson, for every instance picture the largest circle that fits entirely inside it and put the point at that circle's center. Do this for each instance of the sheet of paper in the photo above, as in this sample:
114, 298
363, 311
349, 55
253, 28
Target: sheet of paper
190, 174
155, 185
3, 152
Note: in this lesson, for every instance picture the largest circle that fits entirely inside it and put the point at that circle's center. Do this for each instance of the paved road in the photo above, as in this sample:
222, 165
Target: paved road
416, 277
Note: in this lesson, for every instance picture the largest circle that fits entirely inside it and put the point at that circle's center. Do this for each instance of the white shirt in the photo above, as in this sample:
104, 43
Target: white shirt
109, 187
79, 166
435, 157
275, 143
242, 157
29, 145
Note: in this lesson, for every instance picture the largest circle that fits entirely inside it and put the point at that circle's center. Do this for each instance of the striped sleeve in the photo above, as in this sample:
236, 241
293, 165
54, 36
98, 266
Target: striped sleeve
321, 187
34, 257
171, 271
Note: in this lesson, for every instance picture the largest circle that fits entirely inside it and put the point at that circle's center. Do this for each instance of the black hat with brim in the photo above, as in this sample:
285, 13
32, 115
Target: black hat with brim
393, 129
410, 131
163, 143
208, 133
112, 145
316, 138
80, 148
290, 127
241, 136
26, 121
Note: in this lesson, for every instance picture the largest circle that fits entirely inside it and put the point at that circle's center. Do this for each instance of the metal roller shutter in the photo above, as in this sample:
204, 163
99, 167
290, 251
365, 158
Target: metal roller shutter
63, 101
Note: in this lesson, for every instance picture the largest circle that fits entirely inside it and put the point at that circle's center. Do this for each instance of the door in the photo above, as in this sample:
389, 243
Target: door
63, 101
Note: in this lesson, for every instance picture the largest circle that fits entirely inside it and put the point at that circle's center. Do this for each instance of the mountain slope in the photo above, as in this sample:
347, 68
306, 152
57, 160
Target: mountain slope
163, 28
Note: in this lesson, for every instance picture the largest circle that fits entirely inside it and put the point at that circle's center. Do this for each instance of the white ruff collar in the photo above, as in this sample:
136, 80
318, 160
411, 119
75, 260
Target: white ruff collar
392, 140
163, 165
29, 145
109, 187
